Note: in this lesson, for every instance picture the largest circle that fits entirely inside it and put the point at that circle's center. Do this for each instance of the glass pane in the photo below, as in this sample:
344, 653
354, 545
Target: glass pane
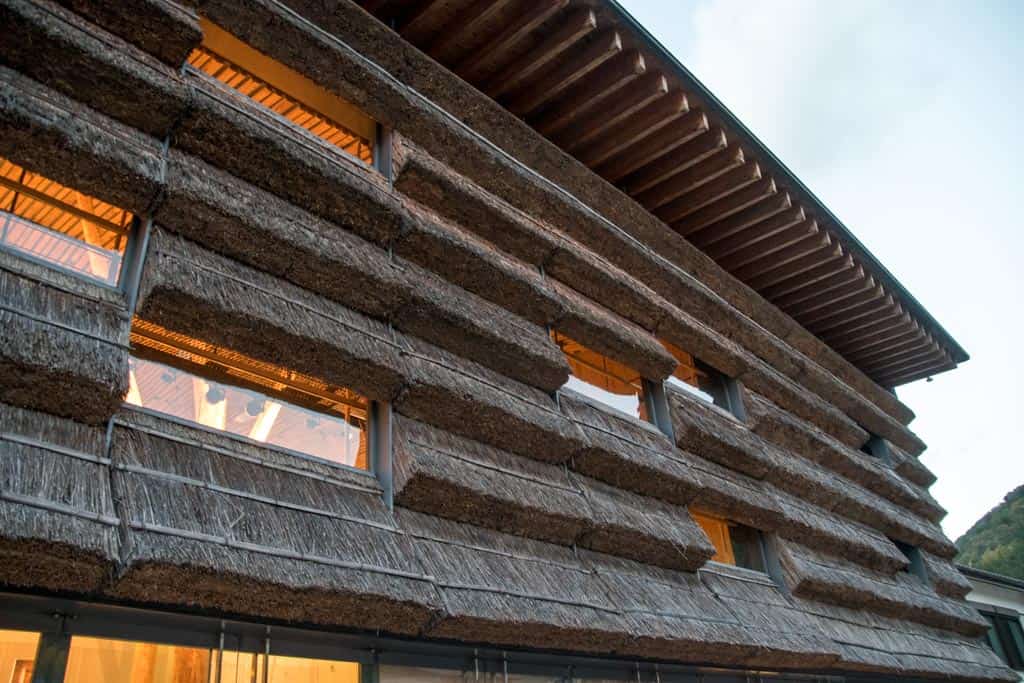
697, 379
718, 531
122, 661
747, 547
414, 674
46, 221
300, 670
17, 655
601, 378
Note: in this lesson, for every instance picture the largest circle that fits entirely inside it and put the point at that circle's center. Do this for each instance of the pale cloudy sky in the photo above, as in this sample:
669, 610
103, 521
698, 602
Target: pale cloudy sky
904, 118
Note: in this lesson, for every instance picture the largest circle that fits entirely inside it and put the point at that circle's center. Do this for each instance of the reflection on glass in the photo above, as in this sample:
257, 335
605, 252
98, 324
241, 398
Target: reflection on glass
412, 674
121, 661
735, 544
601, 378
47, 221
17, 655
243, 667
189, 379
696, 378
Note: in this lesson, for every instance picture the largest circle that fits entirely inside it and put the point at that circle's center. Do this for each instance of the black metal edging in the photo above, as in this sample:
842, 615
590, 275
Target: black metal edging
712, 103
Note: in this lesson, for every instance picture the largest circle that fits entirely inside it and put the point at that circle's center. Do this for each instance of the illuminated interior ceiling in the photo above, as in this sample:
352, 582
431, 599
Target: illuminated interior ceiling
585, 75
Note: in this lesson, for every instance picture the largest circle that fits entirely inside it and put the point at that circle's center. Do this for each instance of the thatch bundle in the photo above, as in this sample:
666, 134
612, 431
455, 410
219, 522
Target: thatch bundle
204, 526
736, 496
63, 342
67, 142
945, 578
232, 132
59, 529
628, 454
57, 49
508, 590
911, 468
710, 432
190, 290
163, 28
233, 217
828, 578
467, 399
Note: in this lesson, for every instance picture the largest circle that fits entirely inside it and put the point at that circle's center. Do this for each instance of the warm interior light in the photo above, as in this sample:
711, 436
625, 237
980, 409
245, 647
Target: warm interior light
692, 378
224, 390
284, 91
42, 219
601, 378
717, 530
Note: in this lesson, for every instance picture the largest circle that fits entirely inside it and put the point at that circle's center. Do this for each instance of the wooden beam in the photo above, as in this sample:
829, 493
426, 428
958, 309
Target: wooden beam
770, 245
814, 243
472, 20
657, 129
898, 362
908, 376
798, 267
583, 92
755, 234
878, 333
865, 309
839, 304
691, 129
818, 276
678, 173
499, 47
574, 27
916, 339
825, 293
420, 19
725, 207
569, 70
63, 206
709, 193
639, 94
890, 319
931, 360
739, 222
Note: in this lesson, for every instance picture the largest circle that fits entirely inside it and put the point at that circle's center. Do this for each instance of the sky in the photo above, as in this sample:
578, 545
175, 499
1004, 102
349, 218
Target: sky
902, 117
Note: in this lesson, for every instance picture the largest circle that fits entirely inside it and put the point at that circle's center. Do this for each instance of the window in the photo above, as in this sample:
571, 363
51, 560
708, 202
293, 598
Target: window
191, 380
877, 447
734, 543
287, 93
45, 221
913, 555
600, 378
703, 381
1006, 638
17, 655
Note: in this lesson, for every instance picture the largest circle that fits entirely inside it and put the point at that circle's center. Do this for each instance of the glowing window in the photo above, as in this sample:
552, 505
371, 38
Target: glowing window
700, 380
17, 655
250, 666
287, 93
194, 381
603, 379
734, 543
124, 661
60, 226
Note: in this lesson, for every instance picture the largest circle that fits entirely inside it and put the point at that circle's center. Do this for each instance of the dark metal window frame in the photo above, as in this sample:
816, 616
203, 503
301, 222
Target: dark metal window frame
1001, 638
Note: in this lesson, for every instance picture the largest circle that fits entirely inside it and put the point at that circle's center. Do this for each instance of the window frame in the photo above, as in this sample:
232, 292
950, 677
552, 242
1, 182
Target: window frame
731, 389
878, 448
1000, 636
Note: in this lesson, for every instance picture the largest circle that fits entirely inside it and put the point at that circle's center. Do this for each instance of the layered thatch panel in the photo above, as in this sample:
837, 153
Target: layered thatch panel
944, 577
232, 132
223, 525
56, 48
712, 433
58, 527
911, 468
828, 578
50, 134
736, 496
190, 290
251, 225
508, 590
63, 343
628, 454
467, 399
162, 28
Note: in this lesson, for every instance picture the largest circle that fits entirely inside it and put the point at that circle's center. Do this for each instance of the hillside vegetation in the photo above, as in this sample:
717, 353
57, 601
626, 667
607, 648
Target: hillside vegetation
996, 541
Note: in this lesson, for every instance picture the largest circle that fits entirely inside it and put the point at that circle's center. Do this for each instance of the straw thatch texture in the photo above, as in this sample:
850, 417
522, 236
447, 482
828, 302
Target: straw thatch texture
162, 28
600, 330
56, 48
462, 259
431, 183
675, 616
945, 578
190, 290
233, 217
466, 481
232, 132
63, 342
911, 468
50, 134
508, 590
712, 433
735, 496
58, 529
470, 400
226, 526
828, 578
628, 454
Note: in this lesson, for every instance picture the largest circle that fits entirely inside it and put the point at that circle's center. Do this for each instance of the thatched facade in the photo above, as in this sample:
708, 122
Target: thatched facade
502, 509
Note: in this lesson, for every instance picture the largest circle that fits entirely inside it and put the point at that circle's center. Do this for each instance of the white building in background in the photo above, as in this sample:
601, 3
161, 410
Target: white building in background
1001, 600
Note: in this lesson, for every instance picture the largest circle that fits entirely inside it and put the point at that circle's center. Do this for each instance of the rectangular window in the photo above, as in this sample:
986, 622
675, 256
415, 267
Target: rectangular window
17, 655
703, 381
204, 384
250, 666
285, 92
734, 543
915, 562
45, 221
600, 378
1006, 638
877, 447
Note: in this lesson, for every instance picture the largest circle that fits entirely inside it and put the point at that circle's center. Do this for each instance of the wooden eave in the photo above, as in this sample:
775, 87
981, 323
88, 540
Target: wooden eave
589, 78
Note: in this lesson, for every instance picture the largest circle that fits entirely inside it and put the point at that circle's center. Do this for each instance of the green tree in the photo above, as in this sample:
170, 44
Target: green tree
996, 541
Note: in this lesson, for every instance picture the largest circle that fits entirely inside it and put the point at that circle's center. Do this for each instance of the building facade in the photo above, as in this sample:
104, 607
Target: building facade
440, 341
1000, 599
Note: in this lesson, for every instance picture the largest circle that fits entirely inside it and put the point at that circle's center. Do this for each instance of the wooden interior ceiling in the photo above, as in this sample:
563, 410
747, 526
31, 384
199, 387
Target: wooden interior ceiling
585, 75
